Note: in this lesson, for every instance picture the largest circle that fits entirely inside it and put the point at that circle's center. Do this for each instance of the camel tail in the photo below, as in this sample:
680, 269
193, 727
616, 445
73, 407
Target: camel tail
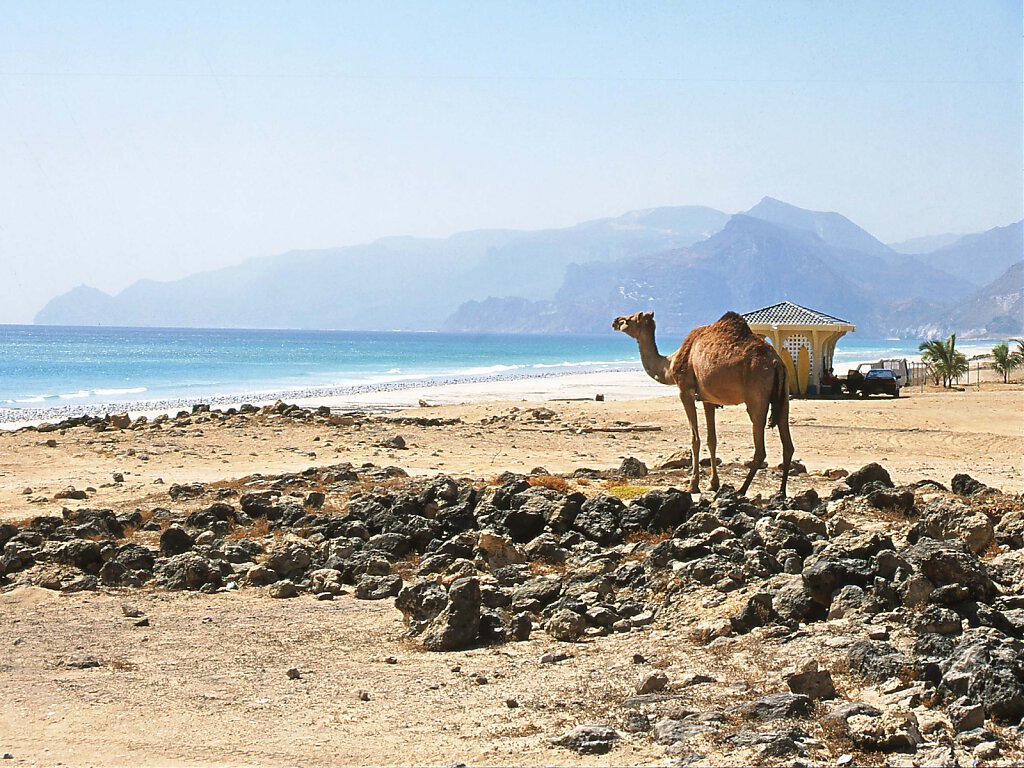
780, 395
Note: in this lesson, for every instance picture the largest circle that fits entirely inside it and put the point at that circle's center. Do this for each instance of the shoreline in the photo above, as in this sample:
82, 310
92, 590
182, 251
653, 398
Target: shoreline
624, 382
384, 396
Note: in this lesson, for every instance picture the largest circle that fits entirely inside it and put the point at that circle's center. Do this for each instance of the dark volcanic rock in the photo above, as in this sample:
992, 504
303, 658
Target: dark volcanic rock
420, 603
218, 517
541, 589
131, 566
988, 668
758, 612
94, 523
937, 620
186, 490
892, 500
966, 485
566, 625
876, 661
175, 541
950, 563
81, 554
599, 520
458, 624
773, 743
523, 524
261, 504
378, 587
828, 574
656, 511
189, 571
7, 532
776, 706
589, 739
793, 602
869, 473
289, 559
632, 467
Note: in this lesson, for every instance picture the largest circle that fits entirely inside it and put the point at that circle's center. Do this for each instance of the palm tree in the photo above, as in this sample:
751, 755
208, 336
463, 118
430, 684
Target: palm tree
1005, 361
944, 360
1019, 354
932, 352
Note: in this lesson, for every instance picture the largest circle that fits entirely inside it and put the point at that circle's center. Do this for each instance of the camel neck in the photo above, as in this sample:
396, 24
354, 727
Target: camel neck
657, 366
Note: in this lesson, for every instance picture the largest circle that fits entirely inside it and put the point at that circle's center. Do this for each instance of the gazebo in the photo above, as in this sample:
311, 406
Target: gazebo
792, 328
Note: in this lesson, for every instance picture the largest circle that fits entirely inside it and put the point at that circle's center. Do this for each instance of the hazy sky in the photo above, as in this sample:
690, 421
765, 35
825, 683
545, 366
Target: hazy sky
155, 139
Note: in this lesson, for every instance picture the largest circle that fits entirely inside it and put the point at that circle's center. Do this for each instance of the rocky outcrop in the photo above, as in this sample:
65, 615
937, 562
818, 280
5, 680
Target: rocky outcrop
913, 612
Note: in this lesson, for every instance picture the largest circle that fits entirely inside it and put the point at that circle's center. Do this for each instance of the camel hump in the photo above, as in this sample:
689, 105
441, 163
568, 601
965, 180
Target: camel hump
735, 322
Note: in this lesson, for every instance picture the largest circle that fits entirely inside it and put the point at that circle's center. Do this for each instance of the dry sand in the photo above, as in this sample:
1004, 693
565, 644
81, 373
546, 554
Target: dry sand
205, 684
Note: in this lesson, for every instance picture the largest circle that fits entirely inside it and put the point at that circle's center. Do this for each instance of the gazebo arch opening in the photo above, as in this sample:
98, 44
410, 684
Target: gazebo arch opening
806, 339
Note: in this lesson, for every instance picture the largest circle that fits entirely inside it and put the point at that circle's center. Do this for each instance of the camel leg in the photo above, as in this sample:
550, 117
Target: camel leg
782, 422
758, 419
709, 417
691, 416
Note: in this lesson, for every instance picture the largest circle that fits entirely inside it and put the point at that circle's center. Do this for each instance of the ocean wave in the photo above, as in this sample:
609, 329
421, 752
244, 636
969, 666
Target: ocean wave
482, 370
583, 364
75, 395
127, 391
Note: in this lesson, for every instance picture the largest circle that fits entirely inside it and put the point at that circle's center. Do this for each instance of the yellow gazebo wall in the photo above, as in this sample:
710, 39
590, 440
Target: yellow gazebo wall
822, 340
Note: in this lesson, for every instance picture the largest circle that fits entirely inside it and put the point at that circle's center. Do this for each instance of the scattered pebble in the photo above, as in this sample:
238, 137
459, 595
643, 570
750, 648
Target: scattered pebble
656, 681
391, 660
363, 695
82, 662
293, 673
553, 657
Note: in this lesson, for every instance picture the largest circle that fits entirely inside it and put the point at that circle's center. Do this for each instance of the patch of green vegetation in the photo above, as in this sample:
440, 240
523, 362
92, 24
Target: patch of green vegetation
626, 492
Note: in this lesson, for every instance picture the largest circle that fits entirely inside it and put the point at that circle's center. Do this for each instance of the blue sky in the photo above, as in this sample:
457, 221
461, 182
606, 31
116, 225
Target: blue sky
144, 139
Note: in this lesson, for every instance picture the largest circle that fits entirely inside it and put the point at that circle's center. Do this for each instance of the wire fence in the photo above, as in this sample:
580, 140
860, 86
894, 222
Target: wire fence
921, 374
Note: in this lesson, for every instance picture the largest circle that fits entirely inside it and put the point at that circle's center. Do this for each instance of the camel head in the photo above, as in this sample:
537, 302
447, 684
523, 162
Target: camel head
635, 325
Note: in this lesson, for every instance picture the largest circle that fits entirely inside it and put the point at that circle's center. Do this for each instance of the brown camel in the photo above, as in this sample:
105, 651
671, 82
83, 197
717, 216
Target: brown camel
724, 363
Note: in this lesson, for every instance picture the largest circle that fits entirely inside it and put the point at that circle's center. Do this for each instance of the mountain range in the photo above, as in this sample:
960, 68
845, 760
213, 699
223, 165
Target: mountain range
688, 263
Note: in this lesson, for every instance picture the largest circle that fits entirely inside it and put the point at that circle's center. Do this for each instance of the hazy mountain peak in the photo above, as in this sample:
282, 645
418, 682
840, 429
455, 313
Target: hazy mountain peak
981, 257
82, 305
835, 229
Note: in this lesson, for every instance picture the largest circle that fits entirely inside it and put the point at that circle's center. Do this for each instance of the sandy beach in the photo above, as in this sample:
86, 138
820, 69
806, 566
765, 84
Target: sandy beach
927, 433
204, 683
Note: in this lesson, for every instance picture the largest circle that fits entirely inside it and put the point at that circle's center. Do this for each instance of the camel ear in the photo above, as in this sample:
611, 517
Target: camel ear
647, 315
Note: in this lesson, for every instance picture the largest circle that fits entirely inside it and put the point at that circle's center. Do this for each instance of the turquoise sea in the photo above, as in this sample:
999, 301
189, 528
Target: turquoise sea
49, 367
